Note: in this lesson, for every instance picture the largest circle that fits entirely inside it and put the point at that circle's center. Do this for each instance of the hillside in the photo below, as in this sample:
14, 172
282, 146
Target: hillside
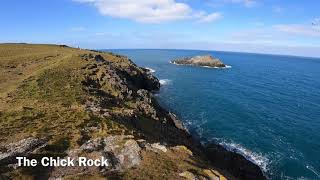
66, 102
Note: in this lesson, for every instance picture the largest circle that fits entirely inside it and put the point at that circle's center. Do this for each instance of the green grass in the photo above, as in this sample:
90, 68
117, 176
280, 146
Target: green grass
47, 98
42, 94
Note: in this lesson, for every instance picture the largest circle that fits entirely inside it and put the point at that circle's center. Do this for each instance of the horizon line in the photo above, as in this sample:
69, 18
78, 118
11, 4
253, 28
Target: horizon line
240, 52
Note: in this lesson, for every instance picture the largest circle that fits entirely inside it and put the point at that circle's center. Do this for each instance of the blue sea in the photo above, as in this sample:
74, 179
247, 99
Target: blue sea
265, 107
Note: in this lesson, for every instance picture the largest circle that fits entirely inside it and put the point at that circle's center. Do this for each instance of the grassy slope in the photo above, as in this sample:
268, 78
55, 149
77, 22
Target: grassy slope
41, 95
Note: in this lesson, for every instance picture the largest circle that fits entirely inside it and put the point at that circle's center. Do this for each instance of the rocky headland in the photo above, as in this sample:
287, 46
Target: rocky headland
64, 102
203, 61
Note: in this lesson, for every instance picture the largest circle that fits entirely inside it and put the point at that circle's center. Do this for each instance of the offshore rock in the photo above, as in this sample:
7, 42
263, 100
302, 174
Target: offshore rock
204, 61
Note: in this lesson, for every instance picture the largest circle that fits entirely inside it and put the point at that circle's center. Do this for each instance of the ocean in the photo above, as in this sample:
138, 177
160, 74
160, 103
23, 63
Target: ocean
265, 107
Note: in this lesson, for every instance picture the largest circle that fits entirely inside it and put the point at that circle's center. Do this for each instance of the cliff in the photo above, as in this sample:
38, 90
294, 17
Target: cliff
64, 102
204, 61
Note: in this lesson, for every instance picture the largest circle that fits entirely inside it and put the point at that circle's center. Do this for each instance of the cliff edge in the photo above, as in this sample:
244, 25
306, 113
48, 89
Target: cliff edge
64, 102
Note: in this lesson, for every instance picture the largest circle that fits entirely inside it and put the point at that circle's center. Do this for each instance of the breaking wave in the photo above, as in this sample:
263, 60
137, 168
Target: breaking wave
227, 67
256, 158
150, 70
165, 81
313, 170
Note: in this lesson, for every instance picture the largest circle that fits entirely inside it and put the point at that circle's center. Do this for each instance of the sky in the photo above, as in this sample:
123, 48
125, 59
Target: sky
289, 27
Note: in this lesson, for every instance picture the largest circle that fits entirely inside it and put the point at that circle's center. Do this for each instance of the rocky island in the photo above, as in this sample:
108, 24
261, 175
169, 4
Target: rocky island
58, 101
203, 61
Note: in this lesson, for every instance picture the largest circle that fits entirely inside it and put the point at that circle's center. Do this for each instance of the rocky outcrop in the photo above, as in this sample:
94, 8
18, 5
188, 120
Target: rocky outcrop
123, 152
150, 120
23, 148
207, 174
234, 163
121, 121
204, 61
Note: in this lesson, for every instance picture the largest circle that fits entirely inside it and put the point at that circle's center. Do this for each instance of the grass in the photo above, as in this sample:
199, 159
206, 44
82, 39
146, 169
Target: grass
41, 94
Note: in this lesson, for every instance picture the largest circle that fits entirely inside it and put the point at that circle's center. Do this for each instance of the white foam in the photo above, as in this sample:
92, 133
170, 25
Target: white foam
150, 70
313, 170
165, 81
256, 158
172, 62
226, 67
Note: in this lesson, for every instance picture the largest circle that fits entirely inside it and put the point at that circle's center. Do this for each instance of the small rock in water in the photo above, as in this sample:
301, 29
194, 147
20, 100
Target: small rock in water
204, 61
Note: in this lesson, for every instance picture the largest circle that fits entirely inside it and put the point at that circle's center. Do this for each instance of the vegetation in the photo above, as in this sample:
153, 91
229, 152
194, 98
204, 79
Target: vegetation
45, 91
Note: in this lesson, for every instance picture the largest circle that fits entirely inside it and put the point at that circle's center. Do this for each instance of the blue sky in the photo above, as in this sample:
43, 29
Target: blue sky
270, 26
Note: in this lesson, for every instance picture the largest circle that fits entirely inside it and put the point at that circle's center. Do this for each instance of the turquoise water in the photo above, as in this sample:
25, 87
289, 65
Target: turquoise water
265, 107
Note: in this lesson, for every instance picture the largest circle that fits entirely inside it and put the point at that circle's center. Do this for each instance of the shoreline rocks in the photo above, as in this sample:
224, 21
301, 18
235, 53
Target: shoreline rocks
123, 122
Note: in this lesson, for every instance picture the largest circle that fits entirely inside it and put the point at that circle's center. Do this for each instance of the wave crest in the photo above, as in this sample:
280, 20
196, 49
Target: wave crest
256, 158
150, 69
165, 81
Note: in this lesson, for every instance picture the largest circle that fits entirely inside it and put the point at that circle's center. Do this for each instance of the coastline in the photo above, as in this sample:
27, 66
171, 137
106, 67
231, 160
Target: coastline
225, 159
116, 116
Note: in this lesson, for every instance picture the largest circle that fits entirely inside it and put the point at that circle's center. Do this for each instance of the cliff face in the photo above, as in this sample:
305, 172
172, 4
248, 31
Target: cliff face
65, 102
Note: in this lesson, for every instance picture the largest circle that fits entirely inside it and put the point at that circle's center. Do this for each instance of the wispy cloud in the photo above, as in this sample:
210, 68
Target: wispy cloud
210, 17
316, 22
280, 34
150, 11
298, 29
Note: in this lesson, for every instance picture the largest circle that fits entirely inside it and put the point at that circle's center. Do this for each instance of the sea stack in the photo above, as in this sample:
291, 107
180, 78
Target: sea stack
203, 61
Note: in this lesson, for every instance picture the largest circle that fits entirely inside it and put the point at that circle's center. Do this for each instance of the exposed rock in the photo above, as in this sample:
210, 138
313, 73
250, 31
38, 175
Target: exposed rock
234, 163
99, 58
60, 172
188, 175
119, 93
92, 145
63, 46
207, 174
129, 156
122, 151
183, 148
206, 61
156, 147
177, 122
23, 148
214, 175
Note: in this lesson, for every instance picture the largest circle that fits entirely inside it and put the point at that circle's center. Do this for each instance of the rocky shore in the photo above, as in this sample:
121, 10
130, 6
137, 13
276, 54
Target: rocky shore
95, 104
203, 61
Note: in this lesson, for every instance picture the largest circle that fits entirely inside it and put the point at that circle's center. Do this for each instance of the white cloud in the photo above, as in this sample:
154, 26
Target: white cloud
280, 34
316, 22
211, 17
149, 11
298, 29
